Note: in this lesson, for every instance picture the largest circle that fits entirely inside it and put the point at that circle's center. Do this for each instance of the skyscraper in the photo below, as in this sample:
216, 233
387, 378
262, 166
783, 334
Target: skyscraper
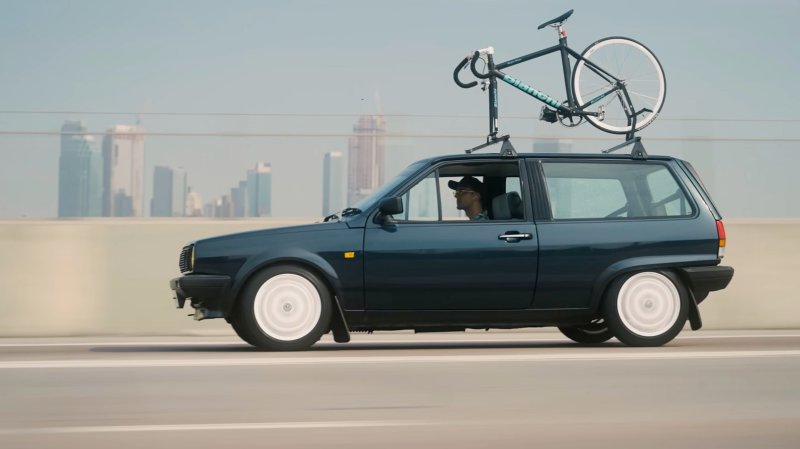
180, 187
223, 207
332, 183
366, 154
239, 199
80, 173
259, 191
123, 173
169, 192
194, 204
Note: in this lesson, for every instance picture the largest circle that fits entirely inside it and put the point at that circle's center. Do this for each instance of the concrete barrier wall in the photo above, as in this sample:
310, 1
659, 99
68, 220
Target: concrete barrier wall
104, 276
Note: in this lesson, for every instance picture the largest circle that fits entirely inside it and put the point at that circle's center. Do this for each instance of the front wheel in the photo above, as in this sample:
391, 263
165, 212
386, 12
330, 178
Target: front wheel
647, 308
284, 308
598, 79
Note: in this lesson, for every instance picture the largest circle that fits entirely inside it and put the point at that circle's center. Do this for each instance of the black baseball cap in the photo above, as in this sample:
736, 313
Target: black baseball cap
467, 182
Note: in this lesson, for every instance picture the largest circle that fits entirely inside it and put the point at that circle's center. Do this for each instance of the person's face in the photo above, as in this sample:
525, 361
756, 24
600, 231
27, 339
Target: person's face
464, 198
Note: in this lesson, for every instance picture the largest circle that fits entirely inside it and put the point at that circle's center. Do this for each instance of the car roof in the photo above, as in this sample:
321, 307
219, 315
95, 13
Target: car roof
577, 156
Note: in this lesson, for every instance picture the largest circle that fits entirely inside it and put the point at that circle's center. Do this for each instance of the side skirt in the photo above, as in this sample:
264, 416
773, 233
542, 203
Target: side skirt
430, 320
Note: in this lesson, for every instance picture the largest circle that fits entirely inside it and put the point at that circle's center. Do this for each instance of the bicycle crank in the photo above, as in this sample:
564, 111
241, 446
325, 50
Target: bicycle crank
548, 115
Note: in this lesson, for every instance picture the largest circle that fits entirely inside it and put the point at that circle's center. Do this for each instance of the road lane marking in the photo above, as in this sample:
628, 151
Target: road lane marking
126, 343
213, 426
395, 359
365, 340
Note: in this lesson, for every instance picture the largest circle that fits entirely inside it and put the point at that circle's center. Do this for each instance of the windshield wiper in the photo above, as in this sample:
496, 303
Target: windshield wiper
350, 211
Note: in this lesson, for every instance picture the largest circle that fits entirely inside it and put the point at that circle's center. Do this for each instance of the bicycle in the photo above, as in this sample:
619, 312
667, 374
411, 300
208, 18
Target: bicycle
600, 89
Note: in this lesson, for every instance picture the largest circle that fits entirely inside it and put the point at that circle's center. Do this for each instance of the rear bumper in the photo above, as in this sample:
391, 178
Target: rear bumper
703, 280
201, 289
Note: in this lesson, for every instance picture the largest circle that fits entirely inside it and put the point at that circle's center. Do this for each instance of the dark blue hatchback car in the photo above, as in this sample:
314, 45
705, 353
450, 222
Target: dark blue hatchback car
600, 246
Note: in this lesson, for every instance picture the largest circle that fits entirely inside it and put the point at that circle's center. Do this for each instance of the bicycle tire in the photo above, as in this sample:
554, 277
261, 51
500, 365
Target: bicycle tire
627, 60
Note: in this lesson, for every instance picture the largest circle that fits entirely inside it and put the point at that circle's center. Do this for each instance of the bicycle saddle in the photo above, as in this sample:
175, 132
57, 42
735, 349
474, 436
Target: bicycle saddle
559, 19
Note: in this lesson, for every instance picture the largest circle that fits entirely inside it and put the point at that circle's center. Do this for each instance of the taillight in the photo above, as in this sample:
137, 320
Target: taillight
721, 234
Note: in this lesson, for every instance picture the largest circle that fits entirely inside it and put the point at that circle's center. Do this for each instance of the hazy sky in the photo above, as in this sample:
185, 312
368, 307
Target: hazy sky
723, 60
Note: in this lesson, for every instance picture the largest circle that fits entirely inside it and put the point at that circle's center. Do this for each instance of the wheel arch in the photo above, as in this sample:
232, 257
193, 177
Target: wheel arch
650, 263
298, 258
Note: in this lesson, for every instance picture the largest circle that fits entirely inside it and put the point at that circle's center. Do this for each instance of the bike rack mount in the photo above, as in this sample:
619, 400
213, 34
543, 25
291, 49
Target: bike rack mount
638, 151
506, 150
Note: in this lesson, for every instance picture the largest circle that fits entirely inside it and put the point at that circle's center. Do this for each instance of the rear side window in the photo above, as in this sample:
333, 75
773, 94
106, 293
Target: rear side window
618, 190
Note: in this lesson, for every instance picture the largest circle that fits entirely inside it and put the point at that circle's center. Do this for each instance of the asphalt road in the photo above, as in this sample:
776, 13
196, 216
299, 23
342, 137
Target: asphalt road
399, 390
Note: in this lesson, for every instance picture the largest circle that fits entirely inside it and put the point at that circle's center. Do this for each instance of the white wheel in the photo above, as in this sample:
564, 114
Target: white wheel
287, 307
283, 308
647, 308
636, 67
648, 304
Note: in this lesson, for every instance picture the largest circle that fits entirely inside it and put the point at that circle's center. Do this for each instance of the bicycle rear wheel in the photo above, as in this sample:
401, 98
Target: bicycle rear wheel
636, 67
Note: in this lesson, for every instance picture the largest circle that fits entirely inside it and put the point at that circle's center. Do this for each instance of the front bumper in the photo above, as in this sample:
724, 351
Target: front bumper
202, 289
703, 280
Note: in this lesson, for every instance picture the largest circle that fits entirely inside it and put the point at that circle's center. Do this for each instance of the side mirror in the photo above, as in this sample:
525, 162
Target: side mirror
391, 206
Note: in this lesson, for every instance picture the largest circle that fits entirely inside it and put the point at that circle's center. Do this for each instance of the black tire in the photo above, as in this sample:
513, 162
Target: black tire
592, 333
240, 330
647, 308
283, 308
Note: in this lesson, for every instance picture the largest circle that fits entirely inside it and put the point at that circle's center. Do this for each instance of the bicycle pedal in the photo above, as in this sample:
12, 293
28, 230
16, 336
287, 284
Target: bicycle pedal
548, 115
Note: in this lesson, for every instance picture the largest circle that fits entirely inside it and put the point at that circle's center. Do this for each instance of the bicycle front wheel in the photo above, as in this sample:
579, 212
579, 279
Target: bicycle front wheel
608, 65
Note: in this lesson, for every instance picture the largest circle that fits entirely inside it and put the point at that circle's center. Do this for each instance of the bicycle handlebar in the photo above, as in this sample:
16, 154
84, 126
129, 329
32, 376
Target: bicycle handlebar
460, 66
475, 57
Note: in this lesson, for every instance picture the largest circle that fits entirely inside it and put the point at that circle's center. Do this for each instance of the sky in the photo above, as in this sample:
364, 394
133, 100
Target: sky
311, 67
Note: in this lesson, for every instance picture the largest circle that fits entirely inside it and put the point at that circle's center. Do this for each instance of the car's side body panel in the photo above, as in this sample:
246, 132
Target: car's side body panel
578, 258
449, 266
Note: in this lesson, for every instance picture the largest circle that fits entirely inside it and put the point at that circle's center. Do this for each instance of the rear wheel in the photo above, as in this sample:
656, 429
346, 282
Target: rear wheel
636, 67
589, 334
284, 308
647, 308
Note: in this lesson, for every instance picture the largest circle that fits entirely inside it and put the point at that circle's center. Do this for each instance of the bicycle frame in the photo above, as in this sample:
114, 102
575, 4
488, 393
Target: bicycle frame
570, 108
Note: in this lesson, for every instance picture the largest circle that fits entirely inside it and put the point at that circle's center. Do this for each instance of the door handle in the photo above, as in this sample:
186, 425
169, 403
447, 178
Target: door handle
513, 236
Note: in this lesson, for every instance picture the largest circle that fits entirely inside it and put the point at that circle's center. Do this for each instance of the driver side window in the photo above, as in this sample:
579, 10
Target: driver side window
465, 191
420, 202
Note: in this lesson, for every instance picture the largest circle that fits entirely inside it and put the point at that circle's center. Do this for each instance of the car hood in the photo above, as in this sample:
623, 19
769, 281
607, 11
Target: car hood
261, 233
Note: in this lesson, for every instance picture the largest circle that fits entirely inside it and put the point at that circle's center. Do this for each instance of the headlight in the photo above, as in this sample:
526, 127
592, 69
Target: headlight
186, 259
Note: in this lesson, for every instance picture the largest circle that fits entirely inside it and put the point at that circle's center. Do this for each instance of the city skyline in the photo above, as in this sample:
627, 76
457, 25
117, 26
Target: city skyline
204, 89
119, 167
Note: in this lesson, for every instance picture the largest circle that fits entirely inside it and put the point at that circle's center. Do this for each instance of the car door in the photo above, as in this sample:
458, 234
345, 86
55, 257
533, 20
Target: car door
429, 258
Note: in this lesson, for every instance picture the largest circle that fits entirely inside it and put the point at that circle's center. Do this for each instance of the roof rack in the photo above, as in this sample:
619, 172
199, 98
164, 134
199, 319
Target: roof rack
638, 151
506, 150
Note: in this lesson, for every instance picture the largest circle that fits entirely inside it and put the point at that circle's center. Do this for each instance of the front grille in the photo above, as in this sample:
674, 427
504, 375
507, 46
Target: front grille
185, 260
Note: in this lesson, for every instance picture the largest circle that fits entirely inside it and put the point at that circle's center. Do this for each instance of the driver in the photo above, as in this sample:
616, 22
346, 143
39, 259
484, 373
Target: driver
469, 193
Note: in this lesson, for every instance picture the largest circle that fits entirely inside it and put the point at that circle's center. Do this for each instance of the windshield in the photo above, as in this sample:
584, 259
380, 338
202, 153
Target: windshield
383, 190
